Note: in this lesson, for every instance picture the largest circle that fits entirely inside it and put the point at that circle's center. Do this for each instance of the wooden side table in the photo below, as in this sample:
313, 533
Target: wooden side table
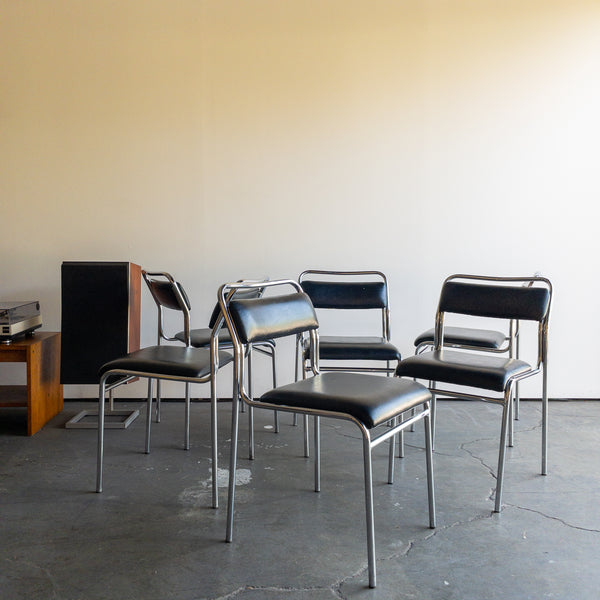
43, 394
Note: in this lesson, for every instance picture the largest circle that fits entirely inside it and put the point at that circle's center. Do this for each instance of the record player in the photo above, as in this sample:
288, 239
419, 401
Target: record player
18, 319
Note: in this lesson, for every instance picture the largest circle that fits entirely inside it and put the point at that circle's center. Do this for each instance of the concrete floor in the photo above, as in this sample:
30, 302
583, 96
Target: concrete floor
152, 535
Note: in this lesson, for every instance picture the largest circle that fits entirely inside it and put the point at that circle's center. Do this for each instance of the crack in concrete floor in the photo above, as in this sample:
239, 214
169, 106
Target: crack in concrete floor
336, 588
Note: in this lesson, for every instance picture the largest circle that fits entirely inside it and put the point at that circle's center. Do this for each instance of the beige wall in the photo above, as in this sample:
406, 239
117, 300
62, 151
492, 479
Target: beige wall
416, 137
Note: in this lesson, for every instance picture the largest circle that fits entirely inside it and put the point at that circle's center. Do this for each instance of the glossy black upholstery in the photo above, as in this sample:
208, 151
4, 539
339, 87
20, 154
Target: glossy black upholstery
346, 295
495, 301
172, 361
365, 348
352, 291
461, 368
465, 336
200, 338
371, 402
511, 299
268, 318
369, 399
169, 295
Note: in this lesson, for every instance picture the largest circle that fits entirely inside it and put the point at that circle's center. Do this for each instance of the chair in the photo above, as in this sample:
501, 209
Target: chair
157, 283
369, 401
352, 292
483, 340
160, 362
497, 298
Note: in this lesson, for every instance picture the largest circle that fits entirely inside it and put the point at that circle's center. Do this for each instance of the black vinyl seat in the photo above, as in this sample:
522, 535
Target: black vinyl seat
161, 362
465, 337
200, 338
357, 348
472, 370
369, 401
352, 291
511, 299
366, 399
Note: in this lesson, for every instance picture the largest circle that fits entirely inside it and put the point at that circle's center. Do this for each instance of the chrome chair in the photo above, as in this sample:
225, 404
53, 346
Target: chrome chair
504, 298
369, 401
481, 340
353, 292
159, 283
162, 362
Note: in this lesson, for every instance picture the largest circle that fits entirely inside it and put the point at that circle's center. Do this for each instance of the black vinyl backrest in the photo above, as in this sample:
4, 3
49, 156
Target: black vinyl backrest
239, 294
261, 319
165, 294
495, 301
346, 295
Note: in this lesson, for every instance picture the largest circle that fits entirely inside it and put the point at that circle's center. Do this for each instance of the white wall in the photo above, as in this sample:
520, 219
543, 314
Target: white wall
235, 138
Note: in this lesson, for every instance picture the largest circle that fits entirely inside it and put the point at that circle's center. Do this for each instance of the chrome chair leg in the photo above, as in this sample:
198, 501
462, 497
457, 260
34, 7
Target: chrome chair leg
433, 413
392, 451
544, 419
250, 408
401, 440
317, 435
369, 509
429, 456
275, 413
306, 441
100, 463
149, 415
305, 424
188, 403
213, 439
158, 398
235, 410
517, 394
502, 453
511, 422
299, 363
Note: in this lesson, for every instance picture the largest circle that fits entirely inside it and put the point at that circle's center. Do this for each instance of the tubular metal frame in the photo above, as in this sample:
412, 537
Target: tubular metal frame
385, 319
161, 335
301, 344
541, 366
511, 346
128, 375
389, 432
267, 348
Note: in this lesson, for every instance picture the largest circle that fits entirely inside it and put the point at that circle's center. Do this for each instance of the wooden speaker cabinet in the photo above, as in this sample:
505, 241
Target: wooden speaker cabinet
100, 316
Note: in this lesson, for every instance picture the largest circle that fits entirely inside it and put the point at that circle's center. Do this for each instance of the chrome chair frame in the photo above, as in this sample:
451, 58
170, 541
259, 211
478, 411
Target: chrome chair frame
478, 340
309, 325
310, 286
464, 340
182, 304
205, 363
312, 283
407, 366
201, 338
